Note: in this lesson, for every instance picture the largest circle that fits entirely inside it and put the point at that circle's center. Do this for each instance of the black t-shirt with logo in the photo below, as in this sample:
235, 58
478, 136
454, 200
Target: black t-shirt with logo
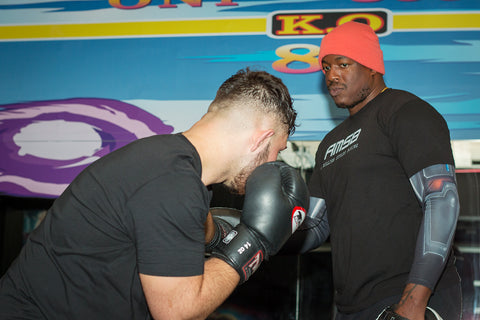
139, 209
362, 171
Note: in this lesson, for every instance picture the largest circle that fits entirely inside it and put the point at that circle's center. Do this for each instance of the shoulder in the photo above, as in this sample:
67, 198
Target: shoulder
394, 99
338, 130
164, 141
398, 105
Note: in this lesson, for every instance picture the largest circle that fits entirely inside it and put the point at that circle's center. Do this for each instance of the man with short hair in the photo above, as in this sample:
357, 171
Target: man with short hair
126, 240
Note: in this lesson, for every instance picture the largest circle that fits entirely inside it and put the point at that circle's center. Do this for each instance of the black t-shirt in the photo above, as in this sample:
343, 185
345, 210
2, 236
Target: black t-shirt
140, 209
362, 171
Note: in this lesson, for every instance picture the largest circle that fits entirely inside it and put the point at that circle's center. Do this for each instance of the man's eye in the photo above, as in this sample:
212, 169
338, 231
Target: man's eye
326, 68
344, 65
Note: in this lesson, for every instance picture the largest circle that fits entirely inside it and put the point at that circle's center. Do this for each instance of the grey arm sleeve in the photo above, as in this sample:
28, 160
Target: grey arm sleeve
436, 190
313, 231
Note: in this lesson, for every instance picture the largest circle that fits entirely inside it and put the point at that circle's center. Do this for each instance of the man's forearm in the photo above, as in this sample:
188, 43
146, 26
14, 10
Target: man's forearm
190, 297
414, 301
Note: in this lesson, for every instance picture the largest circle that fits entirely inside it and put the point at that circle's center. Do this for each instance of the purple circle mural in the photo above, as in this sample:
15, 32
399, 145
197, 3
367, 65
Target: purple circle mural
45, 144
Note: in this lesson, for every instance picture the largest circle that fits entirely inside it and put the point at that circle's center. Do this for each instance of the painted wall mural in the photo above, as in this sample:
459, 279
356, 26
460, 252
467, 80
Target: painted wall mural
46, 144
81, 78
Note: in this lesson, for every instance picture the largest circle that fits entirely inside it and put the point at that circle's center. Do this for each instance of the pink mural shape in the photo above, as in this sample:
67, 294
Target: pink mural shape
45, 144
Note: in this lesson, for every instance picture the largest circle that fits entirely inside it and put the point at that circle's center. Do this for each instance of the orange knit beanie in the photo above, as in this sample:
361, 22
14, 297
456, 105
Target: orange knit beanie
356, 41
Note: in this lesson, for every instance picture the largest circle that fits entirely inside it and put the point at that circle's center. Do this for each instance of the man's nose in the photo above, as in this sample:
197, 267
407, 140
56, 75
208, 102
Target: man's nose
332, 75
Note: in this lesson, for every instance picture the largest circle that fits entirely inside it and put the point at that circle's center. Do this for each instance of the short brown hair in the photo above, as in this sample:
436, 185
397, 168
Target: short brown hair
262, 89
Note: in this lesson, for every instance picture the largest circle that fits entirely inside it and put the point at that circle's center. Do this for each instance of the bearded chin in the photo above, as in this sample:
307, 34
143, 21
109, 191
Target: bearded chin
240, 180
362, 95
239, 183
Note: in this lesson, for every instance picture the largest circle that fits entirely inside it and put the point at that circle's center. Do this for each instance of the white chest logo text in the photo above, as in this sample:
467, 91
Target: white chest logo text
342, 144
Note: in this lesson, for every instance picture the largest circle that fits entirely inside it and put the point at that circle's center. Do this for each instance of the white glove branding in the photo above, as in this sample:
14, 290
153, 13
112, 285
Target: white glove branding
232, 234
298, 215
244, 248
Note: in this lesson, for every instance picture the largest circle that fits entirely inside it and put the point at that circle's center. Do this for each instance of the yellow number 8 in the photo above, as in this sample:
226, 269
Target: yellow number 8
309, 59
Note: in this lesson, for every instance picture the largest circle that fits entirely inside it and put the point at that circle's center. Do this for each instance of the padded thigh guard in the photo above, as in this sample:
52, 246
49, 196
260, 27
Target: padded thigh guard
436, 189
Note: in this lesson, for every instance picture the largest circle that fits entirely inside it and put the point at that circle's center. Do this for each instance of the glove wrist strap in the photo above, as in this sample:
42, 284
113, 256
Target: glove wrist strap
242, 250
222, 228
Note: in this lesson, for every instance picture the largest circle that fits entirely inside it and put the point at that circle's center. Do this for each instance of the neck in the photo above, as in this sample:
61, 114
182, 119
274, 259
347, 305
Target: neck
212, 137
205, 147
378, 88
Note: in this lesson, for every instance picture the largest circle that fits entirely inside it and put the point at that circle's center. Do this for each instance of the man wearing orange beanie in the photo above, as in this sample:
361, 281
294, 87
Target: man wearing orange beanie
384, 190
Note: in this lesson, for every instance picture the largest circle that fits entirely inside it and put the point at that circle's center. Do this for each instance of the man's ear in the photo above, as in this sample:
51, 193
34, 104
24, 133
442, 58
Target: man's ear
260, 138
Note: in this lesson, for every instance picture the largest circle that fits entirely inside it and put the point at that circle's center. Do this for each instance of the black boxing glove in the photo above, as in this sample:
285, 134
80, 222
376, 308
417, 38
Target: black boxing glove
224, 219
389, 314
276, 201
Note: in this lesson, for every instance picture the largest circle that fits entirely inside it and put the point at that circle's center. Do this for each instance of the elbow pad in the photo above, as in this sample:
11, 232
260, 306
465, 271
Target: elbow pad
436, 189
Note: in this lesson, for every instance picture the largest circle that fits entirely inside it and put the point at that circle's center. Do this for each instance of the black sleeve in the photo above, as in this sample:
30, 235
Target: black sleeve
168, 218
